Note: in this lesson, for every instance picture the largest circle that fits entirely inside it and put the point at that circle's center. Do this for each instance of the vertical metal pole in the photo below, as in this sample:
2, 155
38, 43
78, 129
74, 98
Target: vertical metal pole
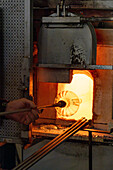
90, 150
19, 153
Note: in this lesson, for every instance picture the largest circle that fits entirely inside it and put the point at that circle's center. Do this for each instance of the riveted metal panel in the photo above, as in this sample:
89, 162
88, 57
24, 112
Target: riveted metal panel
16, 44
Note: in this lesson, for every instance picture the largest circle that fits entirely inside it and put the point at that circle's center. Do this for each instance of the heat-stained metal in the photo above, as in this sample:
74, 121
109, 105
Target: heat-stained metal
64, 40
57, 42
105, 36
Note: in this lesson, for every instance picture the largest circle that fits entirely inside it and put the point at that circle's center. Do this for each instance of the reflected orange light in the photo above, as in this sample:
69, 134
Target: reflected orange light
80, 104
31, 85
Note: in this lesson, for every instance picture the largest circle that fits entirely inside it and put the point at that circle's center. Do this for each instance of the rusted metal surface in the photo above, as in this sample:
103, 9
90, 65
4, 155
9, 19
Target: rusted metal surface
103, 87
104, 36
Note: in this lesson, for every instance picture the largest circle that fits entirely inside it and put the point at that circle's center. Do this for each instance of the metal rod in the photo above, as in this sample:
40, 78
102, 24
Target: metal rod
90, 150
95, 19
73, 7
59, 104
97, 131
48, 144
54, 146
14, 111
45, 152
51, 145
74, 66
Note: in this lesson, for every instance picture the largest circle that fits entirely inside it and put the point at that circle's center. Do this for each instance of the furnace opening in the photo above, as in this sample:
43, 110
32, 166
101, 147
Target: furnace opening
78, 96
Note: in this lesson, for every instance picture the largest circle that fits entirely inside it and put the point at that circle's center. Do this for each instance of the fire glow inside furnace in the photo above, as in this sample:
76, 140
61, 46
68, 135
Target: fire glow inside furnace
78, 95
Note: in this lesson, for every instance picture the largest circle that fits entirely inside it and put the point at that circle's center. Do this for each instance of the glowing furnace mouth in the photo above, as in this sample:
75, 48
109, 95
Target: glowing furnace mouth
78, 96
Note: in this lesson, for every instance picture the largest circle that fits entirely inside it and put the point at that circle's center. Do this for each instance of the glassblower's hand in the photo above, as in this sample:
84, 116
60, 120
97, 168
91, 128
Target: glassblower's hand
23, 117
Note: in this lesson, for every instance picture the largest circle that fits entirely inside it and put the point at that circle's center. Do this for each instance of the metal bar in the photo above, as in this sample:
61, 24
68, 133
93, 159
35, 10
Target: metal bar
72, 7
97, 131
48, 144
100, 67
43, 8
74, 19
51, 145
73, 66
59, 20
54, 146
96, 19
14, 111
90, 150
59, 104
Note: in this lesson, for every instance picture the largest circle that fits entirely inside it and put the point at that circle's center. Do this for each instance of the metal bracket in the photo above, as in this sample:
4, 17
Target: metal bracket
58, 20
75, 67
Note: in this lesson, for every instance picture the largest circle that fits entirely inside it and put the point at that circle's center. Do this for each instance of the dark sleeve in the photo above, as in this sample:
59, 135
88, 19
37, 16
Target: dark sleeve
3, 104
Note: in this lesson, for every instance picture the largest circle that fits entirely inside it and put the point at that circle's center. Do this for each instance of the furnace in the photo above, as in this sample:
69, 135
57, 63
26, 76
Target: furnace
71, 68
72, 62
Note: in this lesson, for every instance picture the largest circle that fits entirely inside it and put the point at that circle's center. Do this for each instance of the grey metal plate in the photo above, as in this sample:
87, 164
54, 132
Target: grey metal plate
14, 46
13, 35
56, 43
64, 44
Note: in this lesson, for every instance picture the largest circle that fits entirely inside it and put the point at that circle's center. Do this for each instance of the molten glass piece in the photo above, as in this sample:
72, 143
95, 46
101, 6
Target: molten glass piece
72, 103
61, 103
78, 96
